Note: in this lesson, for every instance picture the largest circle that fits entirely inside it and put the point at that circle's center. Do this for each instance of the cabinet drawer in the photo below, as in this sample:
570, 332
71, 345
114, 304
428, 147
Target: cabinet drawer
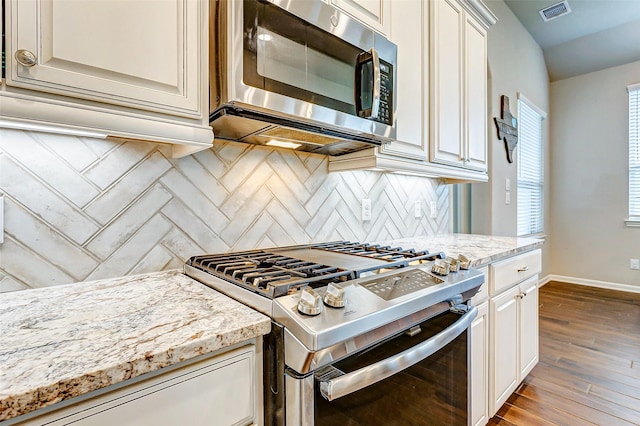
507, 273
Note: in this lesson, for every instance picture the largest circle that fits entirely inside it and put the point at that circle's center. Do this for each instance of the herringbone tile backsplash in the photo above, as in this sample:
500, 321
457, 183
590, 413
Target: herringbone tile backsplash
83, 209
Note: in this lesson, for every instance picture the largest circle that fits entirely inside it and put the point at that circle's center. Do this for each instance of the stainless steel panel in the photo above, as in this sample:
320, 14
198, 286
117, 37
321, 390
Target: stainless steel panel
228, 88
365, 311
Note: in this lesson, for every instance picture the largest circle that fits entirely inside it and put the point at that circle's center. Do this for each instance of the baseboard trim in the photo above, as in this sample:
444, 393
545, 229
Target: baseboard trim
591, 283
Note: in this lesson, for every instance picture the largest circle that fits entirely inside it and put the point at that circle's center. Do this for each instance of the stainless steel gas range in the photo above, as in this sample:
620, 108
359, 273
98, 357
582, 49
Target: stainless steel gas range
361, 334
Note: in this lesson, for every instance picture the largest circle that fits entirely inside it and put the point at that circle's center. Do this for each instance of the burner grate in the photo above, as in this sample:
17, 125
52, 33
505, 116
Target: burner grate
273, 273
267, 273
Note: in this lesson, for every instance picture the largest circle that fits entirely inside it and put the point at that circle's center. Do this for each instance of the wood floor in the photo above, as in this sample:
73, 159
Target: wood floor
589, 369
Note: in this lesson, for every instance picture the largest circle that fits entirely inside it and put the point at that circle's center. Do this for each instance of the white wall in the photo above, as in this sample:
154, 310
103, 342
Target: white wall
516, 65
589, 169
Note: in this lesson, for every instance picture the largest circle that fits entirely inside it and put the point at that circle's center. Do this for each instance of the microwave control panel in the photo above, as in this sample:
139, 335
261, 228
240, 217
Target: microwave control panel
385, 110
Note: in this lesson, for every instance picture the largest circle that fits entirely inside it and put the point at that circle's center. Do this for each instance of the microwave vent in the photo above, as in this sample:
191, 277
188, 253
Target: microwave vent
555, 11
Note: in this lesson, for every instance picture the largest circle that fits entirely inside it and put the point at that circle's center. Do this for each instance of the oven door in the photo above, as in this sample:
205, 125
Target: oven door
417, 378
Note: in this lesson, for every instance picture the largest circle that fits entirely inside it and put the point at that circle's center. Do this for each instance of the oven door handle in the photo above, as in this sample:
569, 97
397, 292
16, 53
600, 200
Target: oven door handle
359, 379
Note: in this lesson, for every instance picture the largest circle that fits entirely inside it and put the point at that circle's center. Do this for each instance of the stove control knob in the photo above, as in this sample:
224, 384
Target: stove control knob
334, 296
440, 267
465, 262
310, 302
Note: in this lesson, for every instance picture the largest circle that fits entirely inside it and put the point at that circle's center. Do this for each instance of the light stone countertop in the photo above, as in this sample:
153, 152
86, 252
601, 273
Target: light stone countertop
481, 249
64, 341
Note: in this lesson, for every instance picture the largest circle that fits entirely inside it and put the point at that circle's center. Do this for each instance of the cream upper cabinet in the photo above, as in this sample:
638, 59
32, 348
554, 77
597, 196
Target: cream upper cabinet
138, 59
374, 13
458, 87
410, 151
441, 113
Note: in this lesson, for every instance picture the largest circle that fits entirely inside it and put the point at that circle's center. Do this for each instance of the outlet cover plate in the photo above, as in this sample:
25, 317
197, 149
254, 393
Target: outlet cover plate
366, 209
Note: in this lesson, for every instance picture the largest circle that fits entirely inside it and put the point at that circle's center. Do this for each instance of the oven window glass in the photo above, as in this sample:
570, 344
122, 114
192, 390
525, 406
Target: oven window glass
431, 392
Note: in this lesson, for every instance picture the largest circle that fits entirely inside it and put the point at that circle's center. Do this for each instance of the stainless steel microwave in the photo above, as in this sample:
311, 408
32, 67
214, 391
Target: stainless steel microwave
300, 74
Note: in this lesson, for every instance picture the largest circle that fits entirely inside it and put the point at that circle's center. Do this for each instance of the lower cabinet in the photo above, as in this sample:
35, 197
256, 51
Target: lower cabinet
513, 339
221, 390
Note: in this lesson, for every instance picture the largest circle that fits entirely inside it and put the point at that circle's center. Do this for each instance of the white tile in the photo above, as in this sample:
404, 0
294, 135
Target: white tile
157, 259
8, 284
325, 212
72, 149
254, 234
286, 198
210, 161
191, 225
40, 238
28, 267
117, 163
201, 179
241, 199
319, 197
286, 174
279, 236
193, 199
245, 218
110, 203
281, 215
50, 169
183, 247
123, 260
244, 167
110, 238
41, 201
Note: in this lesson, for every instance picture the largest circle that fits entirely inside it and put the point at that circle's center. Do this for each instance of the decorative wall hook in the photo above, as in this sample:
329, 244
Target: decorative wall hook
507, 128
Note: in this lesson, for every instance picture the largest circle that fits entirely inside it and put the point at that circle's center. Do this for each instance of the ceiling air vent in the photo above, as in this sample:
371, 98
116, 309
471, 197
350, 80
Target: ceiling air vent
555, 11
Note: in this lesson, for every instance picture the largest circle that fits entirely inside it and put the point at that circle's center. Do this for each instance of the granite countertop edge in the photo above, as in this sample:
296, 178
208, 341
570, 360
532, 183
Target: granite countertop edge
480, 249
65, 341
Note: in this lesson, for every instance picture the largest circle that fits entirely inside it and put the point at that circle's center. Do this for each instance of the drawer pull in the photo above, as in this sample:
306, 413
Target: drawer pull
523, 269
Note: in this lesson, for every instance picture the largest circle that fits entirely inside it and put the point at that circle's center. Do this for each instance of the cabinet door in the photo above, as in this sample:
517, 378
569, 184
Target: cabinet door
479, 379
475, 94
144, 54
447, 19
504, 347
411, 123
370, 12
220, 391
528, 326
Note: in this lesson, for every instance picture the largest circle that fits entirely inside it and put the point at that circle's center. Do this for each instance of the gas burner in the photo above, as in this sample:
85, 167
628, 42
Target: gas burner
280, 271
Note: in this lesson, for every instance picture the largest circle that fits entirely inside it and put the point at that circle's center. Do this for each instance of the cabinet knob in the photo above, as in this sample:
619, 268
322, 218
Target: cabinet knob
26, 58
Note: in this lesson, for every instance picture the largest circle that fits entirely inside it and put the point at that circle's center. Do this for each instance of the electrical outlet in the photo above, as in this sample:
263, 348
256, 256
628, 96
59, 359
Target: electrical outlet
433, 206
634, 263
366, 209
417, 210
507, 184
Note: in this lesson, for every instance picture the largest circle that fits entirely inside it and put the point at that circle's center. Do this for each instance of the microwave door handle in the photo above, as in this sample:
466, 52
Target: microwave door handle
354, 381
375, 107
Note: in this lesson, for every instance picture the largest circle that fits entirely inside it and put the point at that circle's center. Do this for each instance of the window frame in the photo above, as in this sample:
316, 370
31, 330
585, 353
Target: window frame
633, 189
521, 183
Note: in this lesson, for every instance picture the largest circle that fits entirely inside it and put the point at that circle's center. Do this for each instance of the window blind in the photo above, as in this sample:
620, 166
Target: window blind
530, 168
634, 152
